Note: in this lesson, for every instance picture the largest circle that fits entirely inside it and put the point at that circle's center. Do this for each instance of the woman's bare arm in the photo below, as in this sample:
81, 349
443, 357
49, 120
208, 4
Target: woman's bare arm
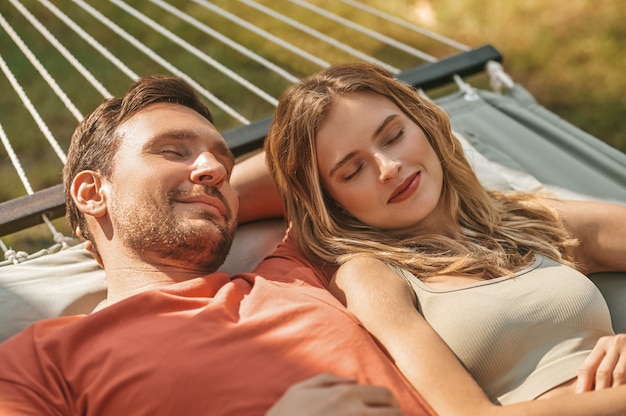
601, 229
383, 303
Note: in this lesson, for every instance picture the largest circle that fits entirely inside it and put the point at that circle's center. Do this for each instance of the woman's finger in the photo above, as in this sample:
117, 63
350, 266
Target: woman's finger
604, 372
587, 371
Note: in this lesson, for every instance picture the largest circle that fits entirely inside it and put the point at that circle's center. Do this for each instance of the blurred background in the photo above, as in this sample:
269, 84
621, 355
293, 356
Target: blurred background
567, 53
571, 54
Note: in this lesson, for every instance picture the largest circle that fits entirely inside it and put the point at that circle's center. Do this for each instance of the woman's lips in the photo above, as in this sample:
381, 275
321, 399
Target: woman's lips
406, 189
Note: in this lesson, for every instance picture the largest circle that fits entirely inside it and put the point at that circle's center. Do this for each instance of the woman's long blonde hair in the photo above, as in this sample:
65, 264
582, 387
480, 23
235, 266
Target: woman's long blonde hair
499, 230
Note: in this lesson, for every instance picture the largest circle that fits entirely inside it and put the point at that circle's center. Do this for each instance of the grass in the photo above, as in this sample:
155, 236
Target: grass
568, 53
565, 52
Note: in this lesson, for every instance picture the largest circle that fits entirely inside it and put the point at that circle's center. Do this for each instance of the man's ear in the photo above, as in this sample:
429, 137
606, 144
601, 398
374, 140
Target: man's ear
89, 192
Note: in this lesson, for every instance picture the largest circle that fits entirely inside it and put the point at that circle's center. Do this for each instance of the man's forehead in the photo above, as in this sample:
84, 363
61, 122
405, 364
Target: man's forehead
159, 118
161, 121
172, 111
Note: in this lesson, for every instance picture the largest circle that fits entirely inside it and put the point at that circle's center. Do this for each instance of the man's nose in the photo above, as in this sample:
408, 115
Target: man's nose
208, 170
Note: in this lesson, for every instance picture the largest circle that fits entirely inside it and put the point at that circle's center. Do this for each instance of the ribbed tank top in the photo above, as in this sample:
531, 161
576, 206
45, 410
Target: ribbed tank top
518, 336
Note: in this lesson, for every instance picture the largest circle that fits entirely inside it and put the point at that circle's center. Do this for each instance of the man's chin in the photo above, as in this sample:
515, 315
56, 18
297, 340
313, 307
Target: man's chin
203, 251
202, 224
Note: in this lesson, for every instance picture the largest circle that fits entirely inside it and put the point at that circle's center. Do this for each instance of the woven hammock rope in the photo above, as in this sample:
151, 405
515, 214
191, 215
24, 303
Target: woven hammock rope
60, 58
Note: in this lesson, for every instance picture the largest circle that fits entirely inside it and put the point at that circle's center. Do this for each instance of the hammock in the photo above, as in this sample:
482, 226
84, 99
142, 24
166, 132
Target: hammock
58, 62
72, 57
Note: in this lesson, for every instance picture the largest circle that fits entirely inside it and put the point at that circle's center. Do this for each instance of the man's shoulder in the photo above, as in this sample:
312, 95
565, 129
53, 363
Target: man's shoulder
289, 266
36, 331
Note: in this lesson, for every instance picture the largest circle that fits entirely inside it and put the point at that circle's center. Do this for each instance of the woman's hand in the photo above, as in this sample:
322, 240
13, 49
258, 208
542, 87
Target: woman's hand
329, 395
605, 366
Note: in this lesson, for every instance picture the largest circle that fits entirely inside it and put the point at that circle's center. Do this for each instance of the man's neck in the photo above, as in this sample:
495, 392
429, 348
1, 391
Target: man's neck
129, 276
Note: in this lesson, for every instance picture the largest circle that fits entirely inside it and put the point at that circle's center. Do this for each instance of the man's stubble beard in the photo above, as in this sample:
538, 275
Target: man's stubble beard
149, 228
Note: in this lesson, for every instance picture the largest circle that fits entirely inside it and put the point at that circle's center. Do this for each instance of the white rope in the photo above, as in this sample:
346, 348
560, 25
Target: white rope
227, 41
41, 69
319, 35
196, 52
62, 49
19, 169
470, 93
58, 237
373, 34
43, 127
407, 25
12, 255
17, 257
159, 60
90, 40
498, 77
170, 10
266, 35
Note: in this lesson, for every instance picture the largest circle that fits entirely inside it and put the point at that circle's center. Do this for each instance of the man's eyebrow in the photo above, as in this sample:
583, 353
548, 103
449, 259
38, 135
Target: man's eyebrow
179, 134
350, 155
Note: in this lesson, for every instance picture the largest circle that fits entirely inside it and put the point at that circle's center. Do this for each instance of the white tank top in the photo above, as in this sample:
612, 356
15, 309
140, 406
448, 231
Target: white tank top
518, 336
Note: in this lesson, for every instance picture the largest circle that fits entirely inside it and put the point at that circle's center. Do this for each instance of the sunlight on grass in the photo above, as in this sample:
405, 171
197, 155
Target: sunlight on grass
568, 53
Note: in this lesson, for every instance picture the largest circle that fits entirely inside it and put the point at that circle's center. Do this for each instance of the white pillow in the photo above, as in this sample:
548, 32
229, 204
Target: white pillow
70, 281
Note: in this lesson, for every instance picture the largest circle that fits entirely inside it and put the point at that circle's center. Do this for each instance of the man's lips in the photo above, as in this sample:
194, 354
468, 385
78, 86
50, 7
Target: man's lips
205, 200
405, 189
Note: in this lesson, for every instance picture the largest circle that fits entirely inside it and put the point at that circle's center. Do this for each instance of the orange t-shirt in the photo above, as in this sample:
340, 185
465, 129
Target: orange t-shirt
208, 346
362, 357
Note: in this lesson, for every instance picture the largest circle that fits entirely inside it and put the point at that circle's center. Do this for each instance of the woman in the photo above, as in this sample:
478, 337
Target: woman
432, 263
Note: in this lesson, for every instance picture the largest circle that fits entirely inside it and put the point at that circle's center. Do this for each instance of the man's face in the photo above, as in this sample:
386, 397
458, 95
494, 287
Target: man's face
171, 201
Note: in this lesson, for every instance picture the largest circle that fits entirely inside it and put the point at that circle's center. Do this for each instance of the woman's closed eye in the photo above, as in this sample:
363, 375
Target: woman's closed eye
394, 138
351, 174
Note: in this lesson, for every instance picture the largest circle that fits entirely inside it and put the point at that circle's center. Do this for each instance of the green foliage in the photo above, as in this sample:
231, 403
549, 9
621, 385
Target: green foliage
566, 52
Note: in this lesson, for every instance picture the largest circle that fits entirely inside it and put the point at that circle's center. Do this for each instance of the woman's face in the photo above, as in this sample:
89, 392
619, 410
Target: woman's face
378, 165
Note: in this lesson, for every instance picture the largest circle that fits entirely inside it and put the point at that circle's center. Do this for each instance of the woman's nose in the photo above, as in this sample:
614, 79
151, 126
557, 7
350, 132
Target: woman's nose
208, 170
387, 167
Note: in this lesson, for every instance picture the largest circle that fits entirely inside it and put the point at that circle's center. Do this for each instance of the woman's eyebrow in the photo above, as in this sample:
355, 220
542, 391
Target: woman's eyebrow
340, 163
384, 124
347, 157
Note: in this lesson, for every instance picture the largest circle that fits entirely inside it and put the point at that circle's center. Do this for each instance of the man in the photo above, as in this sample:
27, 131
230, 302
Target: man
148, 185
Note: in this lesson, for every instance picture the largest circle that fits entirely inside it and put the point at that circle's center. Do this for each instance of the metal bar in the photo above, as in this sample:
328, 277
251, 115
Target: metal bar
437, 74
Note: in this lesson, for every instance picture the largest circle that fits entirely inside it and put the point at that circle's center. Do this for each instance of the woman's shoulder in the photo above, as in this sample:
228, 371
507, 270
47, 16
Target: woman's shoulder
363, 263
365, 272
364, 260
